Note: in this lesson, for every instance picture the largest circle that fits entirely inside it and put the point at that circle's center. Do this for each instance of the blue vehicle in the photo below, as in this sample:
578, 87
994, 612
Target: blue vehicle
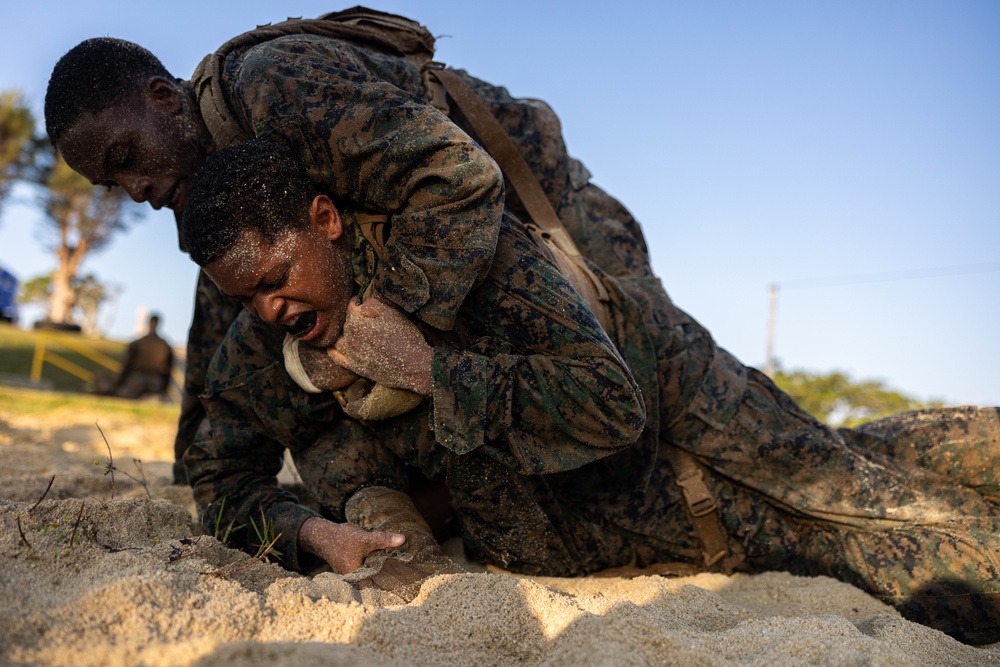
8, 296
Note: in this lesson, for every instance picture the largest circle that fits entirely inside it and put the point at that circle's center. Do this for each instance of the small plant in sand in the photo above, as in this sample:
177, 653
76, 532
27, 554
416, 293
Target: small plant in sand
266, 539
189, 546
45, 527
110, 469
219, 533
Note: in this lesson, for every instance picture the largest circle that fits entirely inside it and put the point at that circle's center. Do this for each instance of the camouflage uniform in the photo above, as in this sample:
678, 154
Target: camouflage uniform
360, 121
553, 460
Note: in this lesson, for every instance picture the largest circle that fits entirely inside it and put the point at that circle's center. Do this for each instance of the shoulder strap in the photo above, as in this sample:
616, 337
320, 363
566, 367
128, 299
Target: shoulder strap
519, 176
386, 32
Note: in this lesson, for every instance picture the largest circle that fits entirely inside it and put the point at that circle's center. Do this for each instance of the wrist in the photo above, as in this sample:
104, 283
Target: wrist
310, 533
422, 380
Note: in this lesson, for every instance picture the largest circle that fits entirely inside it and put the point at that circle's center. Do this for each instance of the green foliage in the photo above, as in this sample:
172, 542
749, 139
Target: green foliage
267, 536
37, 290
220, 533
839, 401
89, 295
17, 139
84, 216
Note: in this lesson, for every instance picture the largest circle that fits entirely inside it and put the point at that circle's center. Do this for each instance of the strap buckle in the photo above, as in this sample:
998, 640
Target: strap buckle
696, 494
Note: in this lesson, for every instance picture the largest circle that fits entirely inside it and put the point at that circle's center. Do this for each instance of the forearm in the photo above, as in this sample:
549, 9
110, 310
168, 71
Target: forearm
545, 414
447, 204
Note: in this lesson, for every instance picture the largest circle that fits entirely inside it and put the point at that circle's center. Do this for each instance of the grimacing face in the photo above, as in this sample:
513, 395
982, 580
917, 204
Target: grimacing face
148, 144
302, 282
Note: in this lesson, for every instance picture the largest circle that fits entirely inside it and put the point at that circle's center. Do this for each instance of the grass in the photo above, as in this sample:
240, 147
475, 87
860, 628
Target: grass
17, 351
17, 400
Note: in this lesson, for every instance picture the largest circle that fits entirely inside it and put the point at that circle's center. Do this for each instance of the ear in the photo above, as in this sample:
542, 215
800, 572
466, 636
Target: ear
325, 216
163, 94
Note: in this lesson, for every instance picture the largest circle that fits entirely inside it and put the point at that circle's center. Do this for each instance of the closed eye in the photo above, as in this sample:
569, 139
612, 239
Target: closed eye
271, 284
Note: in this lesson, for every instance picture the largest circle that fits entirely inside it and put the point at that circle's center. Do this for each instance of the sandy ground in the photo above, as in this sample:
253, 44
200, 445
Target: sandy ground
88, 579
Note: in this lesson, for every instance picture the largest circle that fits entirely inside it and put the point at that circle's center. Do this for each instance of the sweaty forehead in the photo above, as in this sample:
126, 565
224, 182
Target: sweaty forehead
249, 258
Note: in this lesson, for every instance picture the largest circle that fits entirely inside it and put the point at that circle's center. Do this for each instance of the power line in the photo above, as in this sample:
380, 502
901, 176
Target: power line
886, 276
858, 279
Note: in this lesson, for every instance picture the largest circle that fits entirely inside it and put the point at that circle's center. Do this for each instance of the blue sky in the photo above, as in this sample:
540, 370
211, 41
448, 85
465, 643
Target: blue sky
848, 151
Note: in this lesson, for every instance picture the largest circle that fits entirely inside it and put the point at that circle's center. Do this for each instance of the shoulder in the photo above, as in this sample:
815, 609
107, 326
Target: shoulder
288, 54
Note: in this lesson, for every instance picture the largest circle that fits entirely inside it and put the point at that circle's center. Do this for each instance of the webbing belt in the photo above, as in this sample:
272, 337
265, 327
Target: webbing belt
700, 503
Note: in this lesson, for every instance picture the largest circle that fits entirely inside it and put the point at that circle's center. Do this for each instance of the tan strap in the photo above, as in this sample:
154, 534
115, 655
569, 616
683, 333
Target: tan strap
375, 228
516, 172
499, 145
700, 502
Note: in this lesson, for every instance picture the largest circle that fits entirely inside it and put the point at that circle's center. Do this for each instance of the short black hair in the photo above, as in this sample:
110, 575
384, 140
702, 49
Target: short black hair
258, 185
94, 75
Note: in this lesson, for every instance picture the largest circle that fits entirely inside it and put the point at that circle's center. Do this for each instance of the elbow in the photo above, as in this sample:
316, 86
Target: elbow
625, 418
483, 183
612, 414
625, 409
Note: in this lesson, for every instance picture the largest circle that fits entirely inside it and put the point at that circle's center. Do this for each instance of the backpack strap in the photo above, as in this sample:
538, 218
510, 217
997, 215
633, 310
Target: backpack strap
518, 174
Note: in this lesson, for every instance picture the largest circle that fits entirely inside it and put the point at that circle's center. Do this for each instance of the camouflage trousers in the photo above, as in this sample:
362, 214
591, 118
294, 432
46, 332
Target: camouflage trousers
904, 507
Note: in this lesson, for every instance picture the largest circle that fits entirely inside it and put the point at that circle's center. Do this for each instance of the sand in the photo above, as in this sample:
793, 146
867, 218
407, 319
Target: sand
88, 579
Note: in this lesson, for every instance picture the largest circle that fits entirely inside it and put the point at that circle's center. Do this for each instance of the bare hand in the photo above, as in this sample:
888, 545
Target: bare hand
382, 344
343, 545
323, 371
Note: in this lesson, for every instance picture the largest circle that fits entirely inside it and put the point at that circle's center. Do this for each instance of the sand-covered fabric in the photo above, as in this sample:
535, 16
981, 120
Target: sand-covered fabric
88, 579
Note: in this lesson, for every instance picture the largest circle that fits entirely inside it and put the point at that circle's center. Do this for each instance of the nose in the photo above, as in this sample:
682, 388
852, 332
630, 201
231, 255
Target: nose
267, 307
139, 188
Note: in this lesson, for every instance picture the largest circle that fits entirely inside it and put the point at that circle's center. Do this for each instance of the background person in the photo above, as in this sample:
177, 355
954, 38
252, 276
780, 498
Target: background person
149, 362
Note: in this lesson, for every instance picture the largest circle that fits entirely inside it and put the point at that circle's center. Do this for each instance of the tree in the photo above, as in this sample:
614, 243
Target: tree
837, 400
18, 143
89, 294
37, 290
83, 218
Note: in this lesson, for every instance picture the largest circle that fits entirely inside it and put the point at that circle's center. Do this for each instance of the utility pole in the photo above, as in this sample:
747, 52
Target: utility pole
772, 312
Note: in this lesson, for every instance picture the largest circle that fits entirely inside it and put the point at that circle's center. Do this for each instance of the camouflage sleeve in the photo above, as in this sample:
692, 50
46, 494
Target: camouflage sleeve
383, 149
234, 461
540, 382
344, 457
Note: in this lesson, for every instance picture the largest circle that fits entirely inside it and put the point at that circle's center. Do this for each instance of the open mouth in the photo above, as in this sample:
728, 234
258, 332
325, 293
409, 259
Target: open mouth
302, 324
